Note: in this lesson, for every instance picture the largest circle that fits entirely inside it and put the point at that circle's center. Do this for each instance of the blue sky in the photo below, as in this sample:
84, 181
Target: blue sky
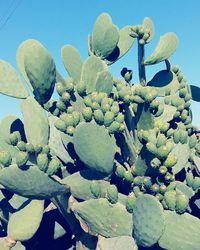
56, 23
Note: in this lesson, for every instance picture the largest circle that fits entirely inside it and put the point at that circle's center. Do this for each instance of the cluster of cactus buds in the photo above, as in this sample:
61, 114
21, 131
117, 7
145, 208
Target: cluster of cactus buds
117, 158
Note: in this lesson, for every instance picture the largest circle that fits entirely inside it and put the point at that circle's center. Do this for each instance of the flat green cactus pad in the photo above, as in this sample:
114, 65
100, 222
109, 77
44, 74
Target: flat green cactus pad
117, 243
103, 218
123, 46
166, 46
168, 113
80, 183
41, 71
31, 183
148, 220
10, 82
94, 146
182, 187
104, 82
91, 67
148, 24
35, 122
72, 62
181, 232
24, 223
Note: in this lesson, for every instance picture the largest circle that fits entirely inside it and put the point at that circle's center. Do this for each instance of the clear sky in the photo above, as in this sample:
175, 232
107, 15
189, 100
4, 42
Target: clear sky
60, 22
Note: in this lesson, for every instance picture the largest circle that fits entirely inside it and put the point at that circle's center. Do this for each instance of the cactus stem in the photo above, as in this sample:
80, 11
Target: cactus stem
141, 66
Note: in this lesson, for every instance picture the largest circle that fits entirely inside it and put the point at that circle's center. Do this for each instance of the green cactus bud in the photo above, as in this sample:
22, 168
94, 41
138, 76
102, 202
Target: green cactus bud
175, 69
70, 130
81, 88
162, 188
30, 148
183, 92
128, 176
61, 105
105, 107
95, 189
45, 149
146, 36
87, 101
114, 127
130, 202
95, 105
184, 115
65, 98
108, 118
69, 85
119, 118
171, 186
170, 199
177, 114
154, 104
76, 117
170, 132
176, 136
42, 161
138, 181
123, 91
137, 99
60, 88
87, 114
70, 109
161, 140
5, 158
181, 203
21, 146
187, 97
167, 100
112, 194
56, 112
170, 161
159, 196
60, 125
192, 141
14, 138
160, 110
151, 147
196, 183
120, 171
147, 182
189, 178
98, 116
183, 136
115, 109
21, 159
162, 170
121, 128
164, 127
137, 191
162, 152
38, 149
180, 77
155, 188
155, 163
53, 167
187, 104
189, 126
68, 119
141, 41
151, 95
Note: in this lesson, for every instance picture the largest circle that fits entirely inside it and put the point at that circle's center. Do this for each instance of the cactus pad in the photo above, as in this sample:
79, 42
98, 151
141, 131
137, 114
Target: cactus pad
108, 220
94, 146
148, 220
181, 232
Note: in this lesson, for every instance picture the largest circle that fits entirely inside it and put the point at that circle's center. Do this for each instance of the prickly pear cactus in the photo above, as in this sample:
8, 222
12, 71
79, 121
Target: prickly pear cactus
118, 160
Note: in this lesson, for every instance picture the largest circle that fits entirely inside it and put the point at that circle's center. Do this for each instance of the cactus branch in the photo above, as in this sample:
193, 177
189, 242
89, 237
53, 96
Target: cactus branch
141, 66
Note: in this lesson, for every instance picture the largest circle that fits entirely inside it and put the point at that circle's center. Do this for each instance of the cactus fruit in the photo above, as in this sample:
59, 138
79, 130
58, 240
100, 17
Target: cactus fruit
114, 156
112, 194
